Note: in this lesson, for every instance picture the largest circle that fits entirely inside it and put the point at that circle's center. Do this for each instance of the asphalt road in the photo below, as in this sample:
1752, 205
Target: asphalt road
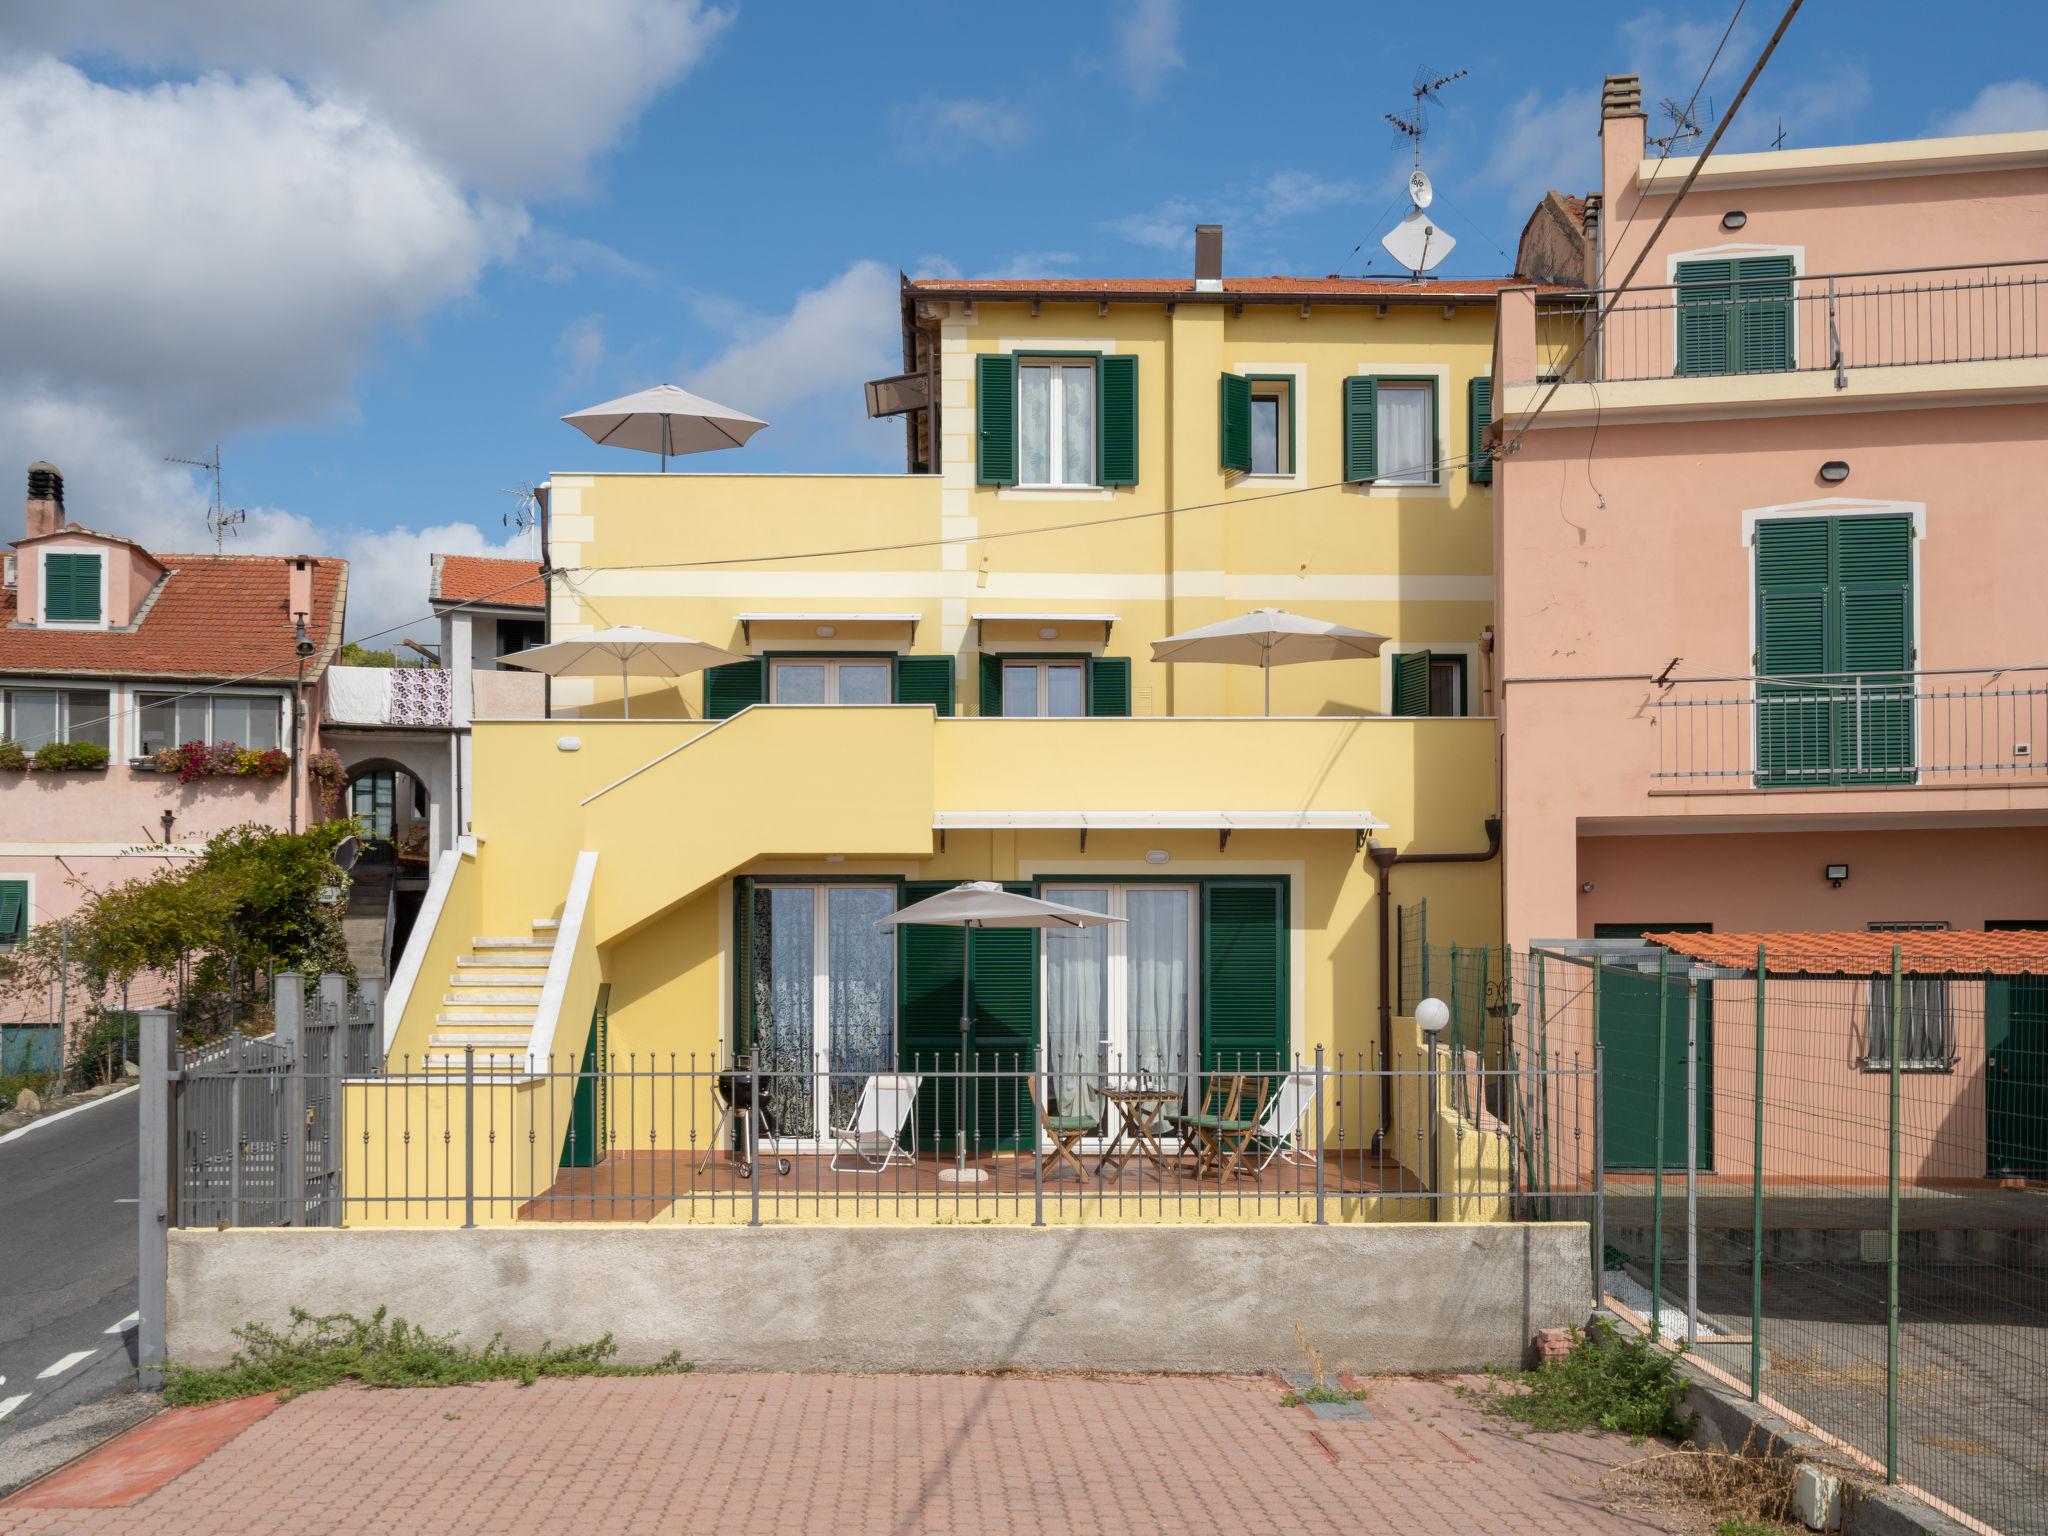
67, 1264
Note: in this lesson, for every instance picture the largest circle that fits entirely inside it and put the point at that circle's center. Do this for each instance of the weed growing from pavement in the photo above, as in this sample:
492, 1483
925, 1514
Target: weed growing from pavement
318, 1352
1627, 1385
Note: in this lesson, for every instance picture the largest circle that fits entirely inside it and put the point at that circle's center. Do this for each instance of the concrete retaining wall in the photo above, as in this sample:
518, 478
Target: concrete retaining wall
1211, 1298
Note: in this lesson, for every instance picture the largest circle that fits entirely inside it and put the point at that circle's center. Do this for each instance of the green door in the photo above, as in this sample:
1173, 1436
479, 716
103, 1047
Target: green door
1627, 1027
1004, 1002
2016, 1070
583, 1144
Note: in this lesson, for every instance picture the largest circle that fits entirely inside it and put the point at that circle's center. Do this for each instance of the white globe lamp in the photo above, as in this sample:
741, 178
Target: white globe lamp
1432, 1013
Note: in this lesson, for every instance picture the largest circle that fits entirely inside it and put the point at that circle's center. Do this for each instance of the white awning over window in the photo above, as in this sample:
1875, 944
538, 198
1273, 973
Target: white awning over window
1165, 821
838, 621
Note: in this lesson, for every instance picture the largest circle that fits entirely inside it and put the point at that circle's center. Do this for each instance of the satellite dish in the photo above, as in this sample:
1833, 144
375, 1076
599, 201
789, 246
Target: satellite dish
1420, 192
1416, 242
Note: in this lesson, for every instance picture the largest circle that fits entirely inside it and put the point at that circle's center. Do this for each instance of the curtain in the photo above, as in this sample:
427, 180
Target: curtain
1076, 1009
1077, 425
1404, 433
1034, 425
860, 992
1159, 967
785, 1027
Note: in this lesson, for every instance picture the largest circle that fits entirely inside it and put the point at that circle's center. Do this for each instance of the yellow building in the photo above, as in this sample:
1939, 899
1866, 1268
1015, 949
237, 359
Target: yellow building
950, 678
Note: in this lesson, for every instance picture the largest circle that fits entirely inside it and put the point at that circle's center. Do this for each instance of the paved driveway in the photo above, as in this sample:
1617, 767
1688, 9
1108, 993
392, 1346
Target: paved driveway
845, 1454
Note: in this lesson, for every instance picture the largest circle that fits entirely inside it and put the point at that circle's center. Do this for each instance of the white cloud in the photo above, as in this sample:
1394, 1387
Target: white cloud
942, 130
1032, 264
1148, 42
2011, 106
832, 338
581, 346
1253, 217
1546, 142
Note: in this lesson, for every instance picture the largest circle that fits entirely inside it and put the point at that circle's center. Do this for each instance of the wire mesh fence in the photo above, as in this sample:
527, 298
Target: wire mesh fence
1826, 1182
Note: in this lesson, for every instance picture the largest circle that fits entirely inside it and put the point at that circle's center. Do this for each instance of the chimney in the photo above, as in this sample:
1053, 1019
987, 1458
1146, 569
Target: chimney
301, 589
1621, 96
1208, 258
45, 498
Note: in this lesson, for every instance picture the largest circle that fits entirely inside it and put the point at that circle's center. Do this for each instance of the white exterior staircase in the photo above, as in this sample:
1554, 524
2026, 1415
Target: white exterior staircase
492, 1000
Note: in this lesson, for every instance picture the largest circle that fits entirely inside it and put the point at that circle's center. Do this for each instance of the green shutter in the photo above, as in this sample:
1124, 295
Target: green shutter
995, 406
1411, 683
1109, 685
1794, 727
71, 588
583, 1143
991, 684
742, 965
1763, 314
1479, 404
1234, 422
13, 910
1244, 975
1116, 408
925, 680
1361, 440
730, 689
1874, 594
1005, 1003
1706, 319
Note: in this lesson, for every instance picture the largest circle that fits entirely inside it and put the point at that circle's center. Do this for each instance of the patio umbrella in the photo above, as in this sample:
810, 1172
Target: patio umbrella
626, 649
665, 420
983, 904
1267, 638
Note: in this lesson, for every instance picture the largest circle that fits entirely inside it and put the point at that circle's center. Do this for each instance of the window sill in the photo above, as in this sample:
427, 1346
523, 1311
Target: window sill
1908, 1068
1055, 492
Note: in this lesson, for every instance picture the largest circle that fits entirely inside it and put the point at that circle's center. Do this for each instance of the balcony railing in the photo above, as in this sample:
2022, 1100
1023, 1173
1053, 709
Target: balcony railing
1841, 730
1807, 323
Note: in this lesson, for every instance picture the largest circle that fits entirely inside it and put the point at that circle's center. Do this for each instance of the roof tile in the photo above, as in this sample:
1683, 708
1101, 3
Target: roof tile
479, 578
1922, 952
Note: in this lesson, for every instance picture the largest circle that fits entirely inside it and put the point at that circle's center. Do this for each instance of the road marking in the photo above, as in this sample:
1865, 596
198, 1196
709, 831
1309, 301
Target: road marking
76, 1109
126, 1199
121, 1327
74, 1358
9, 1404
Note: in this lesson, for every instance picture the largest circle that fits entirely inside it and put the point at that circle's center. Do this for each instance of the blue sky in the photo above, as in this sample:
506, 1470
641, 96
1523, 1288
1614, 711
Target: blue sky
378, 255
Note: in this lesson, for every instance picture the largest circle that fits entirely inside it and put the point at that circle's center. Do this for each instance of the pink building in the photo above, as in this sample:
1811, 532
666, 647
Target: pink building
1770, 548
109, 654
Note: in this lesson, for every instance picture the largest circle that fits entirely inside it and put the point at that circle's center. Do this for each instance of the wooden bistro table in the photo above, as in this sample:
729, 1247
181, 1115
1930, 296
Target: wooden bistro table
1137, 1131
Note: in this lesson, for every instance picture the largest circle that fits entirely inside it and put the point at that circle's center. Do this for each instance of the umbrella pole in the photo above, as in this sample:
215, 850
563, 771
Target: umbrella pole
625, 698
1266, 666
966, 1025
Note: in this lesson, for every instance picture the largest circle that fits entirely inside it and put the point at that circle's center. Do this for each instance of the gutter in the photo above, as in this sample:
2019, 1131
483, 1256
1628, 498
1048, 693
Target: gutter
1384, 860
1420, 295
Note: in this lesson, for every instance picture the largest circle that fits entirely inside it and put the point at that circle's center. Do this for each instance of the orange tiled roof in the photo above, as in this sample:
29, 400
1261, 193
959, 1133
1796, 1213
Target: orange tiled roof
209, 616
480, 579
1944, 952
1361, 287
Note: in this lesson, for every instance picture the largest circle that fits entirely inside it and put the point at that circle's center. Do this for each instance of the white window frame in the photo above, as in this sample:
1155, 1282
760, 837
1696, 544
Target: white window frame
1437, 488
1737, 252
1056, 422
1042, 668
43, 619
831, 664
1117, 1007
1295, 377
63, 692
132, 713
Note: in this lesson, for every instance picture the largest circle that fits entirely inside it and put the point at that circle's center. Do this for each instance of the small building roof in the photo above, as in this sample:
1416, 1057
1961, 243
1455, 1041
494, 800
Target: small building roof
491, 582
1922, 952
1164, 289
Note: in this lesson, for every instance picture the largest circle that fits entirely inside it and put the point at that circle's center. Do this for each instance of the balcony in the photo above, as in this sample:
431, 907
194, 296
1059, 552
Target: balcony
507, 695
1938, 729
1806, 323
406, 698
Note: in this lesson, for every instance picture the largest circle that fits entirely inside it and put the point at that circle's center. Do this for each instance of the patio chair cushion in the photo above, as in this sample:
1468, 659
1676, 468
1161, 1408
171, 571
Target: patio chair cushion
1070, 1122
1209, 1122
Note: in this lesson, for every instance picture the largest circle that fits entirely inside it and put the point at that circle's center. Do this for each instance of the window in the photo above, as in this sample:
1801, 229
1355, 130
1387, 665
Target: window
13, 911
830, 681
1390, 430
1056, 423
34, 717
1257, 423
1118, 1000
1735, 316
1427, 684
1036, 687
516, 635
1045, 689
1926, 1039
71, 587
166, 720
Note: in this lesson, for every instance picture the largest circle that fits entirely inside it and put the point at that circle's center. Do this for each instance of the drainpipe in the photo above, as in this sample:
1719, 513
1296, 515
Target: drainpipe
1384, 860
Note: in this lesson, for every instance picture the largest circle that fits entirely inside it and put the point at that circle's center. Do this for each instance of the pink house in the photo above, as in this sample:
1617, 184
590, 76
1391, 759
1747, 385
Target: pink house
1771, 553
111, 653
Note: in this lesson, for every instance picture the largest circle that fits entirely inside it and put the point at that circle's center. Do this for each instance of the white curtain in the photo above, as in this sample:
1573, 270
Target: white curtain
1159, 966
1077, 425
1076, 1008
785, 969
1404, 433
1034, 425
860, 991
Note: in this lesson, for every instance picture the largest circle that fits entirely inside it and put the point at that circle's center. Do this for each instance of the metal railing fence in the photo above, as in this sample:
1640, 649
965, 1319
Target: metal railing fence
1806, 323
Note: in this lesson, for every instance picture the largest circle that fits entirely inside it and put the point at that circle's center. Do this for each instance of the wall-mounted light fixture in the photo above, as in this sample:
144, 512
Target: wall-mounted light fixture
1835, 471
568, 744
1587, 888
827, 631
1156, 855
1048, 633
1837, 873
1734, 218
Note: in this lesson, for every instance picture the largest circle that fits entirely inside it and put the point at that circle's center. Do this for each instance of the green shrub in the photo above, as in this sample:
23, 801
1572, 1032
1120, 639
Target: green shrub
54, 756
12, 1083
1628, 1385
318, 1352
12, 758
98, 1055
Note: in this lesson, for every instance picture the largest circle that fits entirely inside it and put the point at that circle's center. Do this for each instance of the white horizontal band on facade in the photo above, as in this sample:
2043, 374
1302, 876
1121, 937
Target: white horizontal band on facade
1161, 821
1281, 588
1044, 618
828, 618
101, 850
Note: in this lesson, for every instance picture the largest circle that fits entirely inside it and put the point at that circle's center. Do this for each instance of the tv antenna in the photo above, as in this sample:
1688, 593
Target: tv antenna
221, 519
1428, 88
1689, 121
525, 513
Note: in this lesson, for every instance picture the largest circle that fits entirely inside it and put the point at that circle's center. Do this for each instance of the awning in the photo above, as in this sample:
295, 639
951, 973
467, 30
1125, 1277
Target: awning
747, 621
1106, 620
1222, 823
1922, 952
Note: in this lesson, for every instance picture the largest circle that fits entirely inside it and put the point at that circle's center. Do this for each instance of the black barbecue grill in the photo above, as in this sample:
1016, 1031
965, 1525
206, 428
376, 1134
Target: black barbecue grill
734, 1089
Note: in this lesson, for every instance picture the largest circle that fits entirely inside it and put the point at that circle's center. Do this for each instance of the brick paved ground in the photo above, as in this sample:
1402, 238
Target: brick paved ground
859, 1455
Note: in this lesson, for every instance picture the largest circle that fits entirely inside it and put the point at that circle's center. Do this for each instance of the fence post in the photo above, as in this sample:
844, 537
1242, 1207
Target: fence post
154, 1204
1599, 1168
1894, 1043
754, 1137
1038, 1147
1657, 1169
1321, 1219
1692, 1160
468, 1137
289, 1003
1756, 1201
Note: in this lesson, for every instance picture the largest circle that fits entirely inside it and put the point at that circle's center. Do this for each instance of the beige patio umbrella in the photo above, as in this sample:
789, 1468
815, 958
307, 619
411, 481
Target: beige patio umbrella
665, 420
626, 649
983, 904
1267, 638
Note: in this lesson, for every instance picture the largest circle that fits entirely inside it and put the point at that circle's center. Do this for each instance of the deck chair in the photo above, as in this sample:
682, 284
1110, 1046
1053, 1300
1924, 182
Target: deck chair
1065, 1132
1222, 1130
1281, 1124
875, 1138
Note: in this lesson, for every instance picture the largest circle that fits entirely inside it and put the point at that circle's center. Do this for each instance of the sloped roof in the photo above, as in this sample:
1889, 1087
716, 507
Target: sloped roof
208, 616
1922, 952
481, 579
1241, 287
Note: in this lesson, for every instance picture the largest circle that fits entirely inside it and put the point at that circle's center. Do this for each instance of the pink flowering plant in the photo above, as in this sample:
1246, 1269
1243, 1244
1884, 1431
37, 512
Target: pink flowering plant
221, 759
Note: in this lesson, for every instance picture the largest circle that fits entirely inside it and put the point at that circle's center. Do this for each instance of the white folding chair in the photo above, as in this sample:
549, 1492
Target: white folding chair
1281, 1123
875, 1138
